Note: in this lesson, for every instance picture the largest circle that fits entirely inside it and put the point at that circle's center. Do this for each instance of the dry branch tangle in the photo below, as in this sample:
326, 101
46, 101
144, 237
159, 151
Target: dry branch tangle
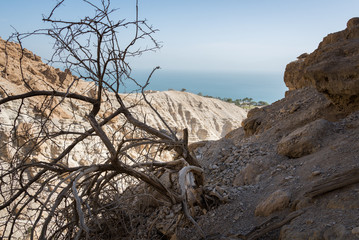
70, 147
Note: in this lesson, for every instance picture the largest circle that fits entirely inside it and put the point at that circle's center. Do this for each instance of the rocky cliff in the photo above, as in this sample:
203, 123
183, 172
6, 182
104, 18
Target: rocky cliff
332, 68
291, 171
206, 118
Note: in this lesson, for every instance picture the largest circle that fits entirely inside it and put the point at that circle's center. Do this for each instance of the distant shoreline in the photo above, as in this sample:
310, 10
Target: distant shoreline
268, 87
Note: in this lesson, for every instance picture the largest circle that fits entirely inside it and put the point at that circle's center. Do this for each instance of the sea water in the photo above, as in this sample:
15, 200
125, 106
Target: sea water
267, 87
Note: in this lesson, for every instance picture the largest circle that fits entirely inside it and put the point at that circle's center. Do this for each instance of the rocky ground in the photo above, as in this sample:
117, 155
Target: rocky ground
291, 171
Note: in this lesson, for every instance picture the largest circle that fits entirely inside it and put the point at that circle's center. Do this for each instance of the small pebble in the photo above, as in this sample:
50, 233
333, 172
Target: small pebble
309, 221
289, 178
316, 173
355, 230
236, 217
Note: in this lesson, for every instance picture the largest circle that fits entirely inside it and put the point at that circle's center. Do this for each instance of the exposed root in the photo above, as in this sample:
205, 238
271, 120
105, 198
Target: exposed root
189, 193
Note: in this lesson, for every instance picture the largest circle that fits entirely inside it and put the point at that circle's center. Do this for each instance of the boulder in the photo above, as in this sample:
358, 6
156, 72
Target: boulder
277, 201
304, 140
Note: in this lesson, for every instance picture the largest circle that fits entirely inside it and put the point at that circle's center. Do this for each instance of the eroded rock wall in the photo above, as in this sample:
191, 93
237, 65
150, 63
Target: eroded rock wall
332, 68
205, 118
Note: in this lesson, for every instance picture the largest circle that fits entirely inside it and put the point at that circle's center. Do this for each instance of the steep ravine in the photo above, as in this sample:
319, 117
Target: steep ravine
292, 170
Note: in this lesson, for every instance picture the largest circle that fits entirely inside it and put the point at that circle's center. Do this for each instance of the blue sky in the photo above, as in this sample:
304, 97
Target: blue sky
228, 35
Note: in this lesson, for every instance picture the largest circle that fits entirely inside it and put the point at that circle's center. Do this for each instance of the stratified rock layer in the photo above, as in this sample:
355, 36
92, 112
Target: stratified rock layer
205, 118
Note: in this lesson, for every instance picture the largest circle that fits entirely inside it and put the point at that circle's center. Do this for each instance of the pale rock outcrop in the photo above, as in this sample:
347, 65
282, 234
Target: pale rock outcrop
205, 118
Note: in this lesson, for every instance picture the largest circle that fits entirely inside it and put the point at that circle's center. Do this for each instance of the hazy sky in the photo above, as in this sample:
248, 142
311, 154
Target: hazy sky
208, 35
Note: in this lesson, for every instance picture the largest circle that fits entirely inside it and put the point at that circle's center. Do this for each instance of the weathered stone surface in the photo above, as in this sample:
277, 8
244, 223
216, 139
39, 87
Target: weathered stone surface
65, 77
332, 68
304, 140
51, 74
254, 120
24, 133
211, 119
297, 109
277, 201
293, 75
344, 201
336, 232
4, 148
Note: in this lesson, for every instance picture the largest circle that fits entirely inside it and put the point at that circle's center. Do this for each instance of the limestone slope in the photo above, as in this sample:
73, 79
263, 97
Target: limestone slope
206, 118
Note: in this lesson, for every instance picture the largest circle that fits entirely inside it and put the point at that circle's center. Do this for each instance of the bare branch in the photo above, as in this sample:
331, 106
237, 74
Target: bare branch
75, 148
47, 93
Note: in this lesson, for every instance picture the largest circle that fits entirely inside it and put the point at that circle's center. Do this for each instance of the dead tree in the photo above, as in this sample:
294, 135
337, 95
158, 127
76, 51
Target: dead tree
43, 194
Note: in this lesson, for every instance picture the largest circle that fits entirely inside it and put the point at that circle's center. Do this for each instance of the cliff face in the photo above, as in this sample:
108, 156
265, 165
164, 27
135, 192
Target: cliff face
296, 160
206, 118
332, 68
